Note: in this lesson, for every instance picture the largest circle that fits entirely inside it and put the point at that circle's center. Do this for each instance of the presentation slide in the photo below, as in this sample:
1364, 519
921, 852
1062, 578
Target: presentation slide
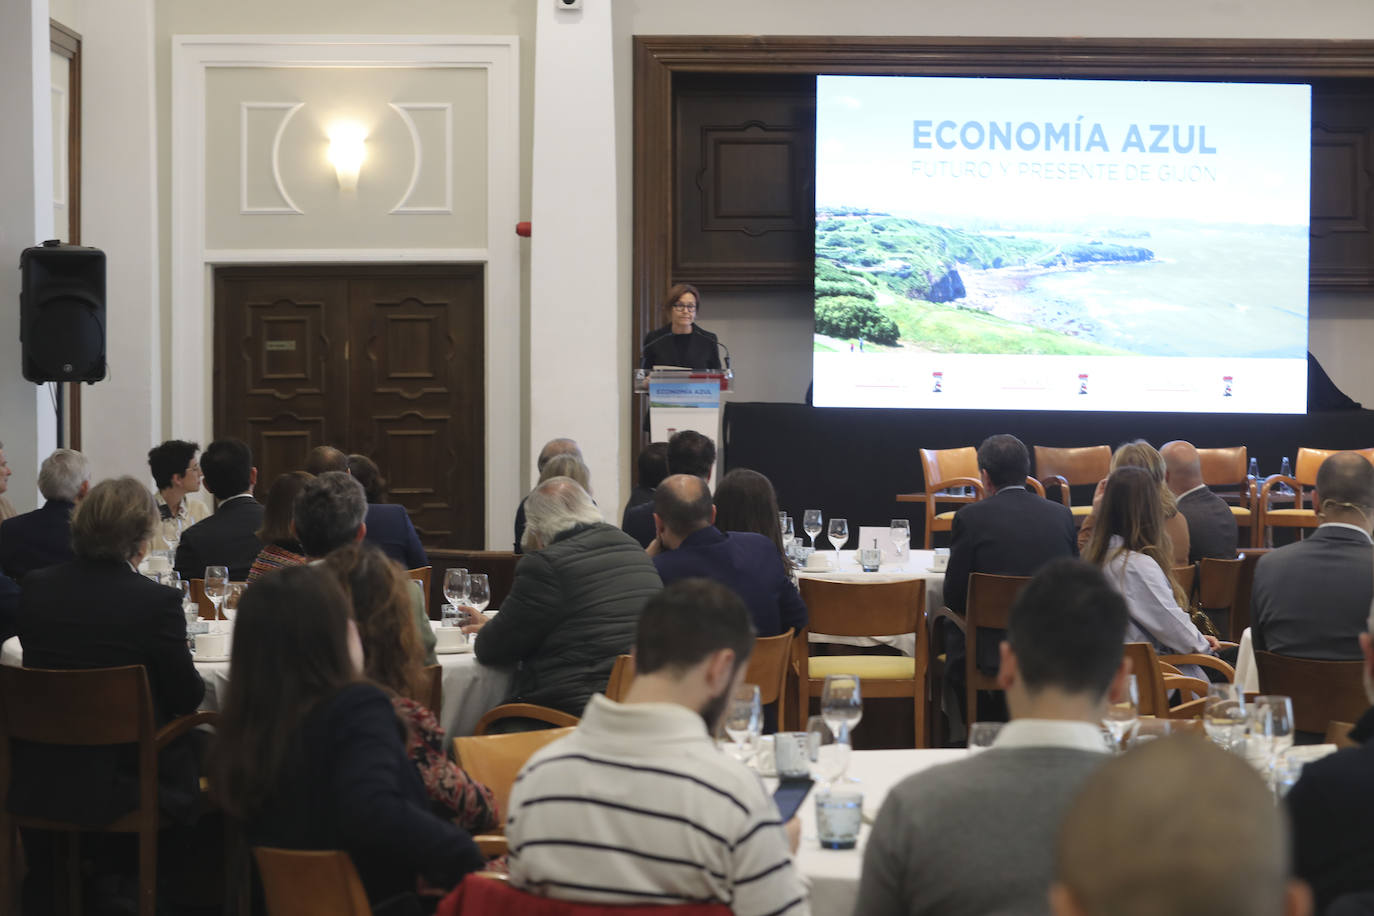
1061, 244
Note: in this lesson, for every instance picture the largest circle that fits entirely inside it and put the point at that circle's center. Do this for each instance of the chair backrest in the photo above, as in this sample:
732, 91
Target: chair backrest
1079, 465
421, 574
1245, 581
1185, 576
1224, 467
1035, 486
480, 895
495, 760
768, 665
206, 606
1321, 691
621, 675
555, 717
988, 605
304, 882
1217, 581
429, 693
1338, 733
864, 609
946, 463
1149, 680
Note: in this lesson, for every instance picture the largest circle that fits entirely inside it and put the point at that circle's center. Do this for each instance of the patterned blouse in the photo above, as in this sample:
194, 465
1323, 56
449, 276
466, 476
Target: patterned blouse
273, 557
453, 794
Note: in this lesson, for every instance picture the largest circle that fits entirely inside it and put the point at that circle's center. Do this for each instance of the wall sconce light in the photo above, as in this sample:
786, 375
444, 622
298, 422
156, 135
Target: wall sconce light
346, 153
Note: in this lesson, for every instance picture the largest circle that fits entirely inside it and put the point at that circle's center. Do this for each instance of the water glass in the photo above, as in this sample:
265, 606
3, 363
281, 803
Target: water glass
456, 585
812, 524
1223, 716
788, 534
744, 718
479, 592
216, 584
901, 538
1123, 713
842, 705
982, 735
838, 533
1270, 723
232, 593
829, 758
839, 814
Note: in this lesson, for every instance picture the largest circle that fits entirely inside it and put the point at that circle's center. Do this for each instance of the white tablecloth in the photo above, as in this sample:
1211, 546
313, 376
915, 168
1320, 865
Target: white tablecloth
917, 566
470, 688
834, 873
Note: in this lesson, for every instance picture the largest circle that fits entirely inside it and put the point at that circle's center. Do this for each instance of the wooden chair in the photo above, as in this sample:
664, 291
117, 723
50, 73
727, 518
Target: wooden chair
1072, 467
429, 693
1225, 471
1217, 581
1186, 576
555, 717
1245, 581
621, 675
495, 761
305, 882
499, 566
421, 574
1298, 516
1321, 691
946, 468
864, 609
988, 607
479, 895
91, 707
207, 607
1338, 733
1155, 680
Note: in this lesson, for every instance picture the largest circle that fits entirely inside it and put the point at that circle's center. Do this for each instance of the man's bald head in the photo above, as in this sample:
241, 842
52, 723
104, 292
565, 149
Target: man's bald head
1182, 466
325, 458
683, 504
555, 447
1345, 487
1227, 855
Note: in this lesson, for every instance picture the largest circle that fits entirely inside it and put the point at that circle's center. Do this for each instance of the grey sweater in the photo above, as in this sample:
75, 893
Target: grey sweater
973, 838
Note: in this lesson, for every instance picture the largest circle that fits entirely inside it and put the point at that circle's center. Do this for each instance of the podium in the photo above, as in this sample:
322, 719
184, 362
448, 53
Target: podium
681, 399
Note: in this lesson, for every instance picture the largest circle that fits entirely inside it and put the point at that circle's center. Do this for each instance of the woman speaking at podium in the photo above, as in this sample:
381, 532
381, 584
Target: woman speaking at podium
680, 342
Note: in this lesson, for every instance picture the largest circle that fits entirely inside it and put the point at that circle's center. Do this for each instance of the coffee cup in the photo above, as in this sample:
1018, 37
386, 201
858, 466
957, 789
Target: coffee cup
790, 754
449, 638
212, 645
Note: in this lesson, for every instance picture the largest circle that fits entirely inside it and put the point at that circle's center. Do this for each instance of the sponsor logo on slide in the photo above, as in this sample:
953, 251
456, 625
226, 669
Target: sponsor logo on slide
939, 382
1082, 383
1226, 384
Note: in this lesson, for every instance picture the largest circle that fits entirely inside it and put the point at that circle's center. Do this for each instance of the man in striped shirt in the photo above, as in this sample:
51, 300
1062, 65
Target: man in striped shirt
638, 805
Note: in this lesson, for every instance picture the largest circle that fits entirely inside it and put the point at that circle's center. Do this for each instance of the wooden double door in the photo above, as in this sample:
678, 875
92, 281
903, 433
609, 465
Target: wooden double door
384, 361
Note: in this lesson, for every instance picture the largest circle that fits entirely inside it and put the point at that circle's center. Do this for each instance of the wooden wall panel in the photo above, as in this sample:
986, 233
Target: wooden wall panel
1342, 253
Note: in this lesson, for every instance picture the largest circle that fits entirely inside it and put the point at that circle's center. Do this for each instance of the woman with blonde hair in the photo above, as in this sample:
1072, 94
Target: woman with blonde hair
569, 466
1141, 454
1129, 545
392, 655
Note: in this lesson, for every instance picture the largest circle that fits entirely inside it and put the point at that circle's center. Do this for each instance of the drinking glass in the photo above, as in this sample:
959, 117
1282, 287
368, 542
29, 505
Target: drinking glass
842, 705
1271, 729
811, 524
981, 735
170, 529
787, 531
479, 592
901, 538
839, 536
216, 582
232, 593
744, 718
829, 757
190, 610
1223, 715
456, 584
1123, 713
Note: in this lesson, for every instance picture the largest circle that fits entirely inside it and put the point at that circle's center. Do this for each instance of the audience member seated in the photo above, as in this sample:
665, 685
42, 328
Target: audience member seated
229, 537
327, 515
1212, 531
653, 467
1176, 825
1330, 808
309, 755
324, 458
689, 452
571, 467
745, 501
281, 547
6, 507
392, 659
1141, 454
1013, 532
388, 525
552, 449
9, 607
573, 605
176, 473
638, 806
96, 611
43, 538
1129, 545
690, 546
1310, 598
977, 836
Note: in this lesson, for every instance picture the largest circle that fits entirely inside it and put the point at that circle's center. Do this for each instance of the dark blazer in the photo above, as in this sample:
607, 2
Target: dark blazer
103, 614
9, 608
346, 783
638, 523
748, 564
227, 538
36, 539
638, 497
573, 607
390, 528
1014, 532
703, 350
1311, 598
520, 525
1211, 525
1330, 809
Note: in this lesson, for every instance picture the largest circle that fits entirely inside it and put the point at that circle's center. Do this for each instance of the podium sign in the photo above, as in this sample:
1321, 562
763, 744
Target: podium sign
684, 403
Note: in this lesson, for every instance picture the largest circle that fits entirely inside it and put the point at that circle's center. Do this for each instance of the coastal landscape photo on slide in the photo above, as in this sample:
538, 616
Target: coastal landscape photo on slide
1061, 244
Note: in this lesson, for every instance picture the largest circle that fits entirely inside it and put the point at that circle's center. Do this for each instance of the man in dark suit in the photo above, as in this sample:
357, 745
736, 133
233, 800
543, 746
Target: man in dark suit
229, 537
1013, 532
690, 546
653, 467
1310, 598
1211, 523
551, 450
689, 452
42, 538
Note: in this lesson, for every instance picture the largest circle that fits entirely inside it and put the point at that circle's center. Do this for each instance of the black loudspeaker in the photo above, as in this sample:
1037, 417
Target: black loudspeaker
62, 313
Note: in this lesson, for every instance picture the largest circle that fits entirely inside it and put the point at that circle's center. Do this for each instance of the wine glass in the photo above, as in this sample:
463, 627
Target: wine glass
788, 534
170, 529
839, 536
456, 585
842, 706
1123, 712
216, 582
232, 593
479, 593
811, 524
189, 609
744, 718
1271, 728
901, 538
829, 758
1223, 715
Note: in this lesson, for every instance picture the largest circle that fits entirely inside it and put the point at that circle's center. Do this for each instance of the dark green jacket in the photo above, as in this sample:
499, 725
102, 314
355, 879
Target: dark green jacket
572, 609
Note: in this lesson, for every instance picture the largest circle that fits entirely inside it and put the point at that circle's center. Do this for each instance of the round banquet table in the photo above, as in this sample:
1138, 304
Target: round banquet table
917, 566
